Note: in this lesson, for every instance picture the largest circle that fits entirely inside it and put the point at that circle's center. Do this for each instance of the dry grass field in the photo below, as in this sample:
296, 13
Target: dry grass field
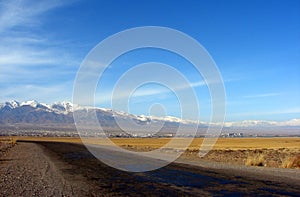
269, 152
6, 143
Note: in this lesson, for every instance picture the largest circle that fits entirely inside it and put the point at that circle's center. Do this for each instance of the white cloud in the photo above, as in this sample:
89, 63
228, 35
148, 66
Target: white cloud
19, 44
262, 95
43, 93
31, 63
24, 13
105, 96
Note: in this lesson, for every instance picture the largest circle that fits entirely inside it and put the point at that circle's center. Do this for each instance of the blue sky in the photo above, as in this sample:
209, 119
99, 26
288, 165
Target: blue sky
256, 45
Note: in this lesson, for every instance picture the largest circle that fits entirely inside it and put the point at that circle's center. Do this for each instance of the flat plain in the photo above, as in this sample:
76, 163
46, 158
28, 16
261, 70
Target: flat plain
283, 152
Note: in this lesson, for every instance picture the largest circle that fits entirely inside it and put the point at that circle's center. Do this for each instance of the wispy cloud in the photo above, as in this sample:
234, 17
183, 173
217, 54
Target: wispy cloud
29, 57
150, 91
25, 13
42, 93
20, 45
262, 95
145, 92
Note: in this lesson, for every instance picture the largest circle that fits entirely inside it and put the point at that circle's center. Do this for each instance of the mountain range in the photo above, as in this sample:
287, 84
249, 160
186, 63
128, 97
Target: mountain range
60, 115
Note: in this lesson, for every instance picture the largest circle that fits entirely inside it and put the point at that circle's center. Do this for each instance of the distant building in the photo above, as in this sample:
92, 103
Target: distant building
230, 135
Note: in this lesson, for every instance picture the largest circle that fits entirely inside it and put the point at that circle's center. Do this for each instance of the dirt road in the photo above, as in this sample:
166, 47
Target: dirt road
64, 169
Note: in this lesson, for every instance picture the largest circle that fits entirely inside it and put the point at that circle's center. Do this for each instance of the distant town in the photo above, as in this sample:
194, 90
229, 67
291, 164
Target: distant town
118, 134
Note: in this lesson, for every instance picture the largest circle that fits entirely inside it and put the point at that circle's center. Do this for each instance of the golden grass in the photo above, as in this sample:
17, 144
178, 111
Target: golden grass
257, 143
8, 140
6, 143
256, 160
291, 162
222, 143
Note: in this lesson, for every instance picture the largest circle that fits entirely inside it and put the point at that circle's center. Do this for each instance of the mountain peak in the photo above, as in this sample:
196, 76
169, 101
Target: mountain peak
32, 103
64, 106
11, 104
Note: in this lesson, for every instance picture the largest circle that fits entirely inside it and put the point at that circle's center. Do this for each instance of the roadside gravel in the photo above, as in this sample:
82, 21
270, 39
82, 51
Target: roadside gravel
26, 171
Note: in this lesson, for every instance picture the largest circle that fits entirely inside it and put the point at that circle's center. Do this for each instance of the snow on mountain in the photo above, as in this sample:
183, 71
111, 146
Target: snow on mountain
32, 103
293, 122
66, 108
10, 104
62, 107
263, 123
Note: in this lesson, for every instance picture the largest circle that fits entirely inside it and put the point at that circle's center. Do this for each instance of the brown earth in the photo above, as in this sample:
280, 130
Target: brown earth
278, 158
68, 169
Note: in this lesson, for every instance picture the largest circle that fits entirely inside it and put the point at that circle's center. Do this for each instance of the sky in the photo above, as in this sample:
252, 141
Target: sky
255, 44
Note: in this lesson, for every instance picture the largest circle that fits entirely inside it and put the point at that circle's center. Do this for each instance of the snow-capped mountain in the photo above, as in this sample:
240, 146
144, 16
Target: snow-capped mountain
61, 113
33, 112
64, 107
263, 123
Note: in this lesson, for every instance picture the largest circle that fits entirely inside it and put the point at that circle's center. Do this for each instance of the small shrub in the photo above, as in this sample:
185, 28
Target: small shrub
255, 160
292, 162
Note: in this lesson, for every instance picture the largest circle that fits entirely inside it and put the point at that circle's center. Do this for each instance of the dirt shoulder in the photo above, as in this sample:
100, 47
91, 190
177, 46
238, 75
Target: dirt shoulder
273, 158
260, 173
26, 171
